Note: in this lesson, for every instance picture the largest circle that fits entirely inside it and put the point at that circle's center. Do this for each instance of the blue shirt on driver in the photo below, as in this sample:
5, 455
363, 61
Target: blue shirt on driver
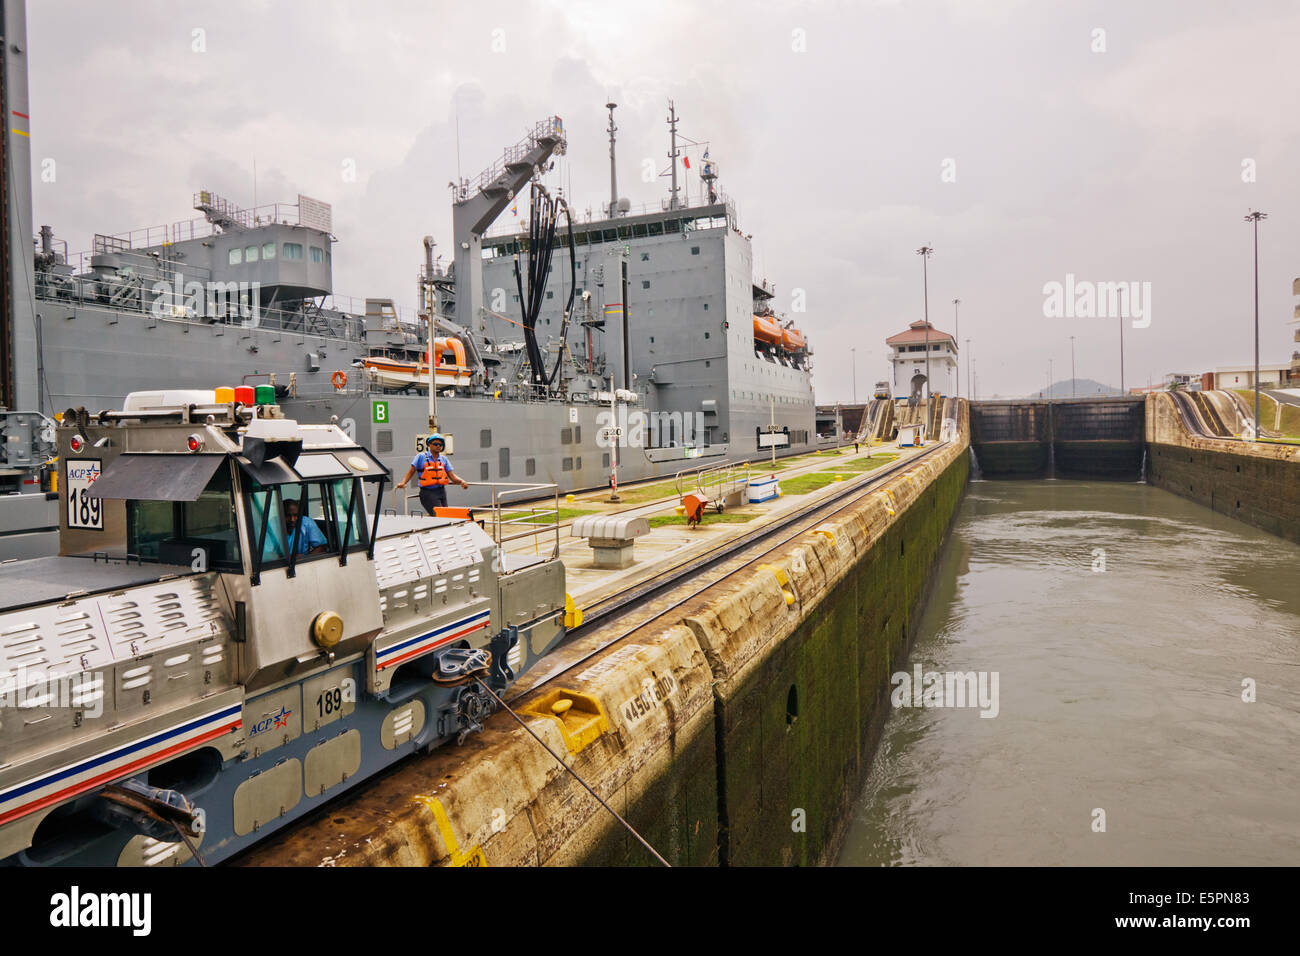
309, 537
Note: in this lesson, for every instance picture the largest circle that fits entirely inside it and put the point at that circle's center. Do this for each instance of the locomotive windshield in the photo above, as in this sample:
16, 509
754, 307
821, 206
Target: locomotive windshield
306, 519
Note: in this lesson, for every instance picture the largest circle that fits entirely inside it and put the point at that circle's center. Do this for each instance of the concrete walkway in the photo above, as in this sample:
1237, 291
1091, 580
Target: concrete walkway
669, 545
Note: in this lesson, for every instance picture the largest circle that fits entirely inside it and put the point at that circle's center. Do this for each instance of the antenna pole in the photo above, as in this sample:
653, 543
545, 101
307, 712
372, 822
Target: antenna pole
613, 173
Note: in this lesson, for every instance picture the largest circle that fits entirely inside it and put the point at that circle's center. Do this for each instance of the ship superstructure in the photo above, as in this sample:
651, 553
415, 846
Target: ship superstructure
652, 332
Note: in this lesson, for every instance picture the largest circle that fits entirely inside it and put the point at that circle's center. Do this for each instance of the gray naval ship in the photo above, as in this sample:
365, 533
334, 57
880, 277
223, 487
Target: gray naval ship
635, 340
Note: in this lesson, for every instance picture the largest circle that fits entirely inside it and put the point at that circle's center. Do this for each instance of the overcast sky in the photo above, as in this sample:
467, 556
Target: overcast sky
1114, 156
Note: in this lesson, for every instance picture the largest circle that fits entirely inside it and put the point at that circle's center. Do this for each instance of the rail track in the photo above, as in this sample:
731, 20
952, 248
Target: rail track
702, 571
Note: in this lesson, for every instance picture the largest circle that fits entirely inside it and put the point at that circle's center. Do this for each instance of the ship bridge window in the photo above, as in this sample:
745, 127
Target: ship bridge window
236, 256
268, 250
317, 254
199, 534
322, 517
293, 250
250, 254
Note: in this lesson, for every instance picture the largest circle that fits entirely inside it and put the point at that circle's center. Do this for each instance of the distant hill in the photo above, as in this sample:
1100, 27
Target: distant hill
1081, 388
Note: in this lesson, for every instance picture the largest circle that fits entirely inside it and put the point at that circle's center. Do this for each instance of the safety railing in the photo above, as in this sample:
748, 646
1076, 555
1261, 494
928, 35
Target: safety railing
233, 303
714, 482
516, 514
518, 511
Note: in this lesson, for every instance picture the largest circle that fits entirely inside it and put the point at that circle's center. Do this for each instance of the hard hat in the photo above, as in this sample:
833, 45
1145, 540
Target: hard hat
436, 437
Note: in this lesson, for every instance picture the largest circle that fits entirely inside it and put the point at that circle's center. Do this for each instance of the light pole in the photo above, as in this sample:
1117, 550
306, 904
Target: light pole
925, 252
854, 358
956, 332
1072, 366
970, 381
1049, 380
1255, 217
1121, 355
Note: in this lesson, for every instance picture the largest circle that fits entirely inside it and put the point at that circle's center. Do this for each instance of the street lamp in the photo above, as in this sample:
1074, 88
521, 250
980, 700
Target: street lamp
1072, 366
1255, 217
854, 354
956, 332
925, 252
970, 381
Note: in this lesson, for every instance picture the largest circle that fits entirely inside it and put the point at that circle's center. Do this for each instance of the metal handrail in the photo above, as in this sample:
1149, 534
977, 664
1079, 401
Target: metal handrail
505, 517
520, 227
134, 293
716, 481
521, 515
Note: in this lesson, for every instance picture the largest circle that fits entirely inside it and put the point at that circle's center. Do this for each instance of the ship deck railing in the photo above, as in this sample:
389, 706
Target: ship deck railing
335, 316
201, 227
623, 226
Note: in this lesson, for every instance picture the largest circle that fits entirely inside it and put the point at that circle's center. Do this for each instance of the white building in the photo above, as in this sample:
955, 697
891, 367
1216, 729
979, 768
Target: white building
908, 357
1271, 375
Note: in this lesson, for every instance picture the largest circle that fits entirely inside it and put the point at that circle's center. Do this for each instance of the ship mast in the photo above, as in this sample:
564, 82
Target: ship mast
429, 309
673, 153
19, 326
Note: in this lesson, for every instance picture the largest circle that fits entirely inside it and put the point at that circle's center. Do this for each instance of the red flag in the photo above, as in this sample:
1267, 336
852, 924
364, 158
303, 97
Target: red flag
686, 161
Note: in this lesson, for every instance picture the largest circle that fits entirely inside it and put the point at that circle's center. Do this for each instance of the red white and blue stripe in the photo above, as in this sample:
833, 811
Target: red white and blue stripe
415, 646
58, 785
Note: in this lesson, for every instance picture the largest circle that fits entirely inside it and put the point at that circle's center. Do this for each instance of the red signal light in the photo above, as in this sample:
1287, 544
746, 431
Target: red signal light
77, 443
194, 443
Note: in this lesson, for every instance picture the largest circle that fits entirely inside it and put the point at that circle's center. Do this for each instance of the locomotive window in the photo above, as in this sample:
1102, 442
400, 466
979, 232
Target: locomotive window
201, 534
347, 494
316, 511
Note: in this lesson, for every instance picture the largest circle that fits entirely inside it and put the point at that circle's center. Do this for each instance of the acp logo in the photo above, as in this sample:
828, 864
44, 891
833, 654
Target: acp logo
275, 720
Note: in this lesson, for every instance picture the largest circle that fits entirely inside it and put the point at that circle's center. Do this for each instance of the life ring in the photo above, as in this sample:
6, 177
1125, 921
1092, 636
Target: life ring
340, 379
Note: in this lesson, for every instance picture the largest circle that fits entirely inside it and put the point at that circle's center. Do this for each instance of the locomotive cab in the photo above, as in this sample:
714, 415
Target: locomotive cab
234, 632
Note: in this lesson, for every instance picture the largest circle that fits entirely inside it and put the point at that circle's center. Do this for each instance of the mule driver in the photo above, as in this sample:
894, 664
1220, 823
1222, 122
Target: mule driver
435, 474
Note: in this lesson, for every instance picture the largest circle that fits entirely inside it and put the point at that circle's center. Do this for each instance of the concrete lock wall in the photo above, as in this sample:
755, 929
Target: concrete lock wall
740, 725
1256, 483
802, 688
798, 653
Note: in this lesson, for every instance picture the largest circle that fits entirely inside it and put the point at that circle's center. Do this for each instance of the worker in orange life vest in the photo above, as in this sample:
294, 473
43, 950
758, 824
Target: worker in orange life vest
435, 474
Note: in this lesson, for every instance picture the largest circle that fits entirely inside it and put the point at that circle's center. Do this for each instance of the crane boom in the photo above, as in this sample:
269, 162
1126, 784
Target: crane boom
473, 212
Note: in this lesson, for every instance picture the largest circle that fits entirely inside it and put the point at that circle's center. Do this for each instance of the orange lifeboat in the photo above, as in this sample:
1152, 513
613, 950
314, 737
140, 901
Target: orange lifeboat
451, 369
766, 330
792, 340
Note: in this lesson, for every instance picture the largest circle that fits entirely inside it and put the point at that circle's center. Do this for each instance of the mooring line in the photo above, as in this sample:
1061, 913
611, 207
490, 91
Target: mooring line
614, 813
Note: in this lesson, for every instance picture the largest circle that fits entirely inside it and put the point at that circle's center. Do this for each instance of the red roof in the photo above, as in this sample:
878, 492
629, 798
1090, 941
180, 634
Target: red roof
916, 334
